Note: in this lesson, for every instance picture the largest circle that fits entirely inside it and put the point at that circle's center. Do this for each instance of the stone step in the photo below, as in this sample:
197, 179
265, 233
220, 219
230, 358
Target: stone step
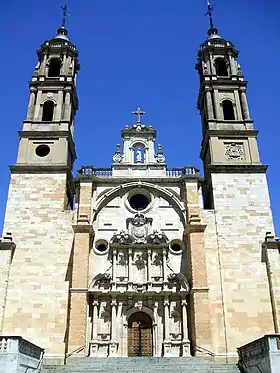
141, 365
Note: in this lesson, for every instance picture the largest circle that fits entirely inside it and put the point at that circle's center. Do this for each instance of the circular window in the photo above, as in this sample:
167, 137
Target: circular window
42, 150
101, 246
139, 202
176, 246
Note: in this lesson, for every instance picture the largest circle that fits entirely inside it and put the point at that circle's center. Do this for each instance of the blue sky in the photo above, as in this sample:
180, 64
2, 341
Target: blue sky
141, 52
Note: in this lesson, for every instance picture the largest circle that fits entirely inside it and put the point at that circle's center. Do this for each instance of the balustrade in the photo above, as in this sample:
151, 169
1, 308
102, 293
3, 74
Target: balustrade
107, 172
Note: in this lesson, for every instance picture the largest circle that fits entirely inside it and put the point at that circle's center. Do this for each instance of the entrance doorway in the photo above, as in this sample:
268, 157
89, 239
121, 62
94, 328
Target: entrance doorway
140, 335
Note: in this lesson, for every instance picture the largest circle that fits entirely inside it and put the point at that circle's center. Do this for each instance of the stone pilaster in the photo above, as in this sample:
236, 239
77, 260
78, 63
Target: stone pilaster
78, 292
270, 255
199, 307
7, 248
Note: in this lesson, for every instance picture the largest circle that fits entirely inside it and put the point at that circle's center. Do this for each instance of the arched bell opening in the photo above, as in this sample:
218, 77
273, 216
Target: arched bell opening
140, 335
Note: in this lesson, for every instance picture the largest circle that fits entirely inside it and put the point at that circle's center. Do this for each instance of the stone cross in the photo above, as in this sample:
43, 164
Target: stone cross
138, 112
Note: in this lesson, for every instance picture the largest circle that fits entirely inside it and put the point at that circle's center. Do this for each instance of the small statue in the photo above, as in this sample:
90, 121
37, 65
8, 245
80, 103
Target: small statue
138, 156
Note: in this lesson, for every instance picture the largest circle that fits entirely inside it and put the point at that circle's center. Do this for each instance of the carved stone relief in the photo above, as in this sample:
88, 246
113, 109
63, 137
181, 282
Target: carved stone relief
234, 151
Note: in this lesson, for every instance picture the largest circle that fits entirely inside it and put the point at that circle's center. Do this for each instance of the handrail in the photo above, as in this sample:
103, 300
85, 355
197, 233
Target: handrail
74, 351
211, 353
39, 365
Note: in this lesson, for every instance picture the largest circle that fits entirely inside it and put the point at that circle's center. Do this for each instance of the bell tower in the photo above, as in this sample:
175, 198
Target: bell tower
46, 140
237, 210
39, 214
229, 138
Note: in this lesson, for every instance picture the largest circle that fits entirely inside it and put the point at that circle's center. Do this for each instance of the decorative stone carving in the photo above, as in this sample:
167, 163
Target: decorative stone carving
140, 260
117, 157
139, 228
160, 157
122, 260
180, 280
157, 238
122, 238
157, 259
234, 151
103, 278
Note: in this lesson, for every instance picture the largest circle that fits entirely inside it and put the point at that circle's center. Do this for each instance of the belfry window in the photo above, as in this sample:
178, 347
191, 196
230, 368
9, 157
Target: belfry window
221, 67
48, 110
228, 110
54, 68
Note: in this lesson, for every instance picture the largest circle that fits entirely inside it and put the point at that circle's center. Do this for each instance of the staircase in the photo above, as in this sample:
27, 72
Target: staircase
141, 365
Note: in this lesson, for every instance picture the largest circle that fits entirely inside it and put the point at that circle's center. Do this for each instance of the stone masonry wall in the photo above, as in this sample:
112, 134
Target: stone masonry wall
37, 297
239, 294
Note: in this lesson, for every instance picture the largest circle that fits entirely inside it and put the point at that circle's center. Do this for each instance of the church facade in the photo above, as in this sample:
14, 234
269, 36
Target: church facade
138, 259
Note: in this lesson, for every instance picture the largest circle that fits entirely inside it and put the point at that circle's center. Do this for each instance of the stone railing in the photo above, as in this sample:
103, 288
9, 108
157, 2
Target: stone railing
107, 172
17, 355
92, 171
261, 355
178, 172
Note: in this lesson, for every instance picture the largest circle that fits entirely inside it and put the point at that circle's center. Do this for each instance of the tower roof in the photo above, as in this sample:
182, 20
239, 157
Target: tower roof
61, 34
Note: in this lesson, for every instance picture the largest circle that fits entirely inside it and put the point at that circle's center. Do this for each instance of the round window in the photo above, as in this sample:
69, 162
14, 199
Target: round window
176, 246
101, 246
42, 150
139, 201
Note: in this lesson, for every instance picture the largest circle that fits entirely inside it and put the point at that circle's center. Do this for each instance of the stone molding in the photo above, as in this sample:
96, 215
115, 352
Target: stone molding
83, 228
238, 168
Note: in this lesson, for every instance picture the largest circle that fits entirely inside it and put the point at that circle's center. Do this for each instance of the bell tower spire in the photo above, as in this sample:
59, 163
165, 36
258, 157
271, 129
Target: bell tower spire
229, 138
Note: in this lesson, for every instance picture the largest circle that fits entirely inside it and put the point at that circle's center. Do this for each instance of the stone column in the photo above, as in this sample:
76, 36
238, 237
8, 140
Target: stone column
217, 106
67, 106
209, 102
95, 304
43, 66
149, 254
63, 70
166, 319
164, 255
114, 260
184, 319
238, 111
31, 105
114, 343
185, 339
232, 65
58, 111
38, 106
244, 106
113, 319
130, 254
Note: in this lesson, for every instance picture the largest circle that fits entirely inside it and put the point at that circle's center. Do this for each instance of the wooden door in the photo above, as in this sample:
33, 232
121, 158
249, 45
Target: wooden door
140, 336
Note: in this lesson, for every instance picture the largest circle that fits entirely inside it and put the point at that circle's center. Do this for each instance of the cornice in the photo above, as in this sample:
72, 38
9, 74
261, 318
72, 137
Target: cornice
238, 168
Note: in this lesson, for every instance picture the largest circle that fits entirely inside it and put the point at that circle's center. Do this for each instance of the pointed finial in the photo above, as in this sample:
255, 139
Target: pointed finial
65, 14
138, 112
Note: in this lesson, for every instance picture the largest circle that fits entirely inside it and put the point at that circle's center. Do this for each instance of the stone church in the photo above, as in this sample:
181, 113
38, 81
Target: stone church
139, 259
